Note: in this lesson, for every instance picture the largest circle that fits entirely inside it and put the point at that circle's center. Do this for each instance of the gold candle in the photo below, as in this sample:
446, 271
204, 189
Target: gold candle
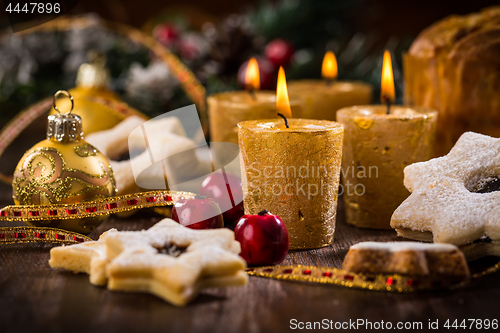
378, 146
293, 173
322, 98
227, 109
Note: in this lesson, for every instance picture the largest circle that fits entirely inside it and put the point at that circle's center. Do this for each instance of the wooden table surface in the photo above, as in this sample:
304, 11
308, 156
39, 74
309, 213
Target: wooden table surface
36, 298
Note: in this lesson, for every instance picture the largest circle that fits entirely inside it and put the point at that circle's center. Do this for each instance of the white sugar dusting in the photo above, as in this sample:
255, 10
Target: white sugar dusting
441, 199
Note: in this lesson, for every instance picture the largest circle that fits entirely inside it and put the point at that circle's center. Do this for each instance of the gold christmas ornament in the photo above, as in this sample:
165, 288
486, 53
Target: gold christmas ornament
99, 108
63, 169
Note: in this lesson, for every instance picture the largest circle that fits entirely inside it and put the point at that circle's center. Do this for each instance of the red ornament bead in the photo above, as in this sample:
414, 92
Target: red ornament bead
412, 283
112, 205
287, 271
52, 212
2, 236
78, 239
91, 209
39, 235
20, 235
327, 274
306, 272
61, 237
17, 213
167, 198
198, 213
3, 213
390, 281
34, 213
71, 211
279, 52
132, 202
268, 270
263, 238
435, 283
348, 277
151, 199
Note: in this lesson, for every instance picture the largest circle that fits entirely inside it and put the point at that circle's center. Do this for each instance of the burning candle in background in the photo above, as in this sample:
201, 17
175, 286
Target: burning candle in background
380, 141
227, 109
387, 91
291, 167
322, 98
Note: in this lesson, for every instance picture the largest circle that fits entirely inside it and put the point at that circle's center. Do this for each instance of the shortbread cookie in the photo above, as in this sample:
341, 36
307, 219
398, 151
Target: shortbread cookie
114, 142
88, 257
455, 198
159, 149
168, 260
407, 258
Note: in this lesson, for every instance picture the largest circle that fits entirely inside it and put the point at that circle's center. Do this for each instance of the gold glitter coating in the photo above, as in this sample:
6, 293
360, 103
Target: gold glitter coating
95, 208
52, 173
12, 235
322, 99
377, 148
376, 282
85, 150
293, 173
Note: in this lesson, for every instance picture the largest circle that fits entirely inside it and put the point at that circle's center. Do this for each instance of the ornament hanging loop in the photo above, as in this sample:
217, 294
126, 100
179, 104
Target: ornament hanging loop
67, 94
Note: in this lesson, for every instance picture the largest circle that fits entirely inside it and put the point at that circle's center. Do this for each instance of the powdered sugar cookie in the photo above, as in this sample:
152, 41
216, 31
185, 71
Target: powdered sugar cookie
455, 198
407, 258
168, 260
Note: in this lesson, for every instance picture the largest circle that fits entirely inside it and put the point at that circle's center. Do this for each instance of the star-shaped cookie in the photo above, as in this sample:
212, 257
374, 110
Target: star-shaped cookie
168, 260
455, 198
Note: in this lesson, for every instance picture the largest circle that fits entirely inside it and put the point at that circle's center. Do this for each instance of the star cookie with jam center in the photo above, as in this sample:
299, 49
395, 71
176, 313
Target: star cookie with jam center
168, 260
455, 198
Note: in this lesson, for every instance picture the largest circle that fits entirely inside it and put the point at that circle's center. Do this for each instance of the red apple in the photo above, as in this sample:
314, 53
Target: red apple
198, 213
225, 194
263, 238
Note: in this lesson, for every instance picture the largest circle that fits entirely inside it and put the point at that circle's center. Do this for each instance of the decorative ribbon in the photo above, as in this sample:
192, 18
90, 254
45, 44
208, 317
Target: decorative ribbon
379, 282
40, 234
89, 209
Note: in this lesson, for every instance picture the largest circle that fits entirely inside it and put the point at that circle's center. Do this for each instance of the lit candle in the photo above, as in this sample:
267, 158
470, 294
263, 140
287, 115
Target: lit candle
227, 109
322, 98
380, 141
291, 167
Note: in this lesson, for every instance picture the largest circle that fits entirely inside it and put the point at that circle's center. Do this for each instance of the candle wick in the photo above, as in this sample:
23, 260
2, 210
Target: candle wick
387, 101
251, 90
329, 81
286, 121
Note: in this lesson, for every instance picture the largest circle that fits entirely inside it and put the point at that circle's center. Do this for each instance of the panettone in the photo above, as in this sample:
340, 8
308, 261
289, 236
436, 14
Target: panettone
454, 67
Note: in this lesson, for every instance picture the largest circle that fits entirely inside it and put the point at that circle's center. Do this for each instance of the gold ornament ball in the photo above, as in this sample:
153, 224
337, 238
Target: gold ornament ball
63, 169
55, 173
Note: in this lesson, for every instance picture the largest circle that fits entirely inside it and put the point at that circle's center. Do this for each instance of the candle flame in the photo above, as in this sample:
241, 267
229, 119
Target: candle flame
252, 75
387, 93
282, 101
329, 69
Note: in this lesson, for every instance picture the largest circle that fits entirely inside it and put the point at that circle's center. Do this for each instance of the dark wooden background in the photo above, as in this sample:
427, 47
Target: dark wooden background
36, 298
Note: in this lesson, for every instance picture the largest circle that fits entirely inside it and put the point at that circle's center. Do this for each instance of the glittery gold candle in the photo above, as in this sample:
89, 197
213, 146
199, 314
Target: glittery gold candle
322, 98
377, 147
293, 173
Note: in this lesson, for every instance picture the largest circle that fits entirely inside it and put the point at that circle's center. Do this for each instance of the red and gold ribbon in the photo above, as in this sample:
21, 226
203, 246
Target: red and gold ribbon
101, 207
340, 277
